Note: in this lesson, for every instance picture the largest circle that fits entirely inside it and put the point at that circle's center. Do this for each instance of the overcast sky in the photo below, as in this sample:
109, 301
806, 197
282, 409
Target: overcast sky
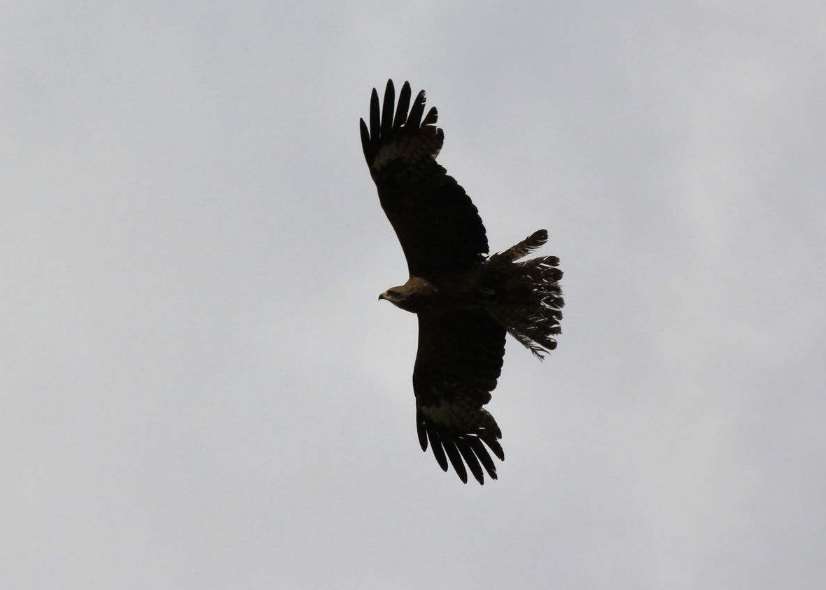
200, 390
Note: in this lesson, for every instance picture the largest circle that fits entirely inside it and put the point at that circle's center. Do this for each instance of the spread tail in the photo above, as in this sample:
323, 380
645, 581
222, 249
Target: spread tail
527, 298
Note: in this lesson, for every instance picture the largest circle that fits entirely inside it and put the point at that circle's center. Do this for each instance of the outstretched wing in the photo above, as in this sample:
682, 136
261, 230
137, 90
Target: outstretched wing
437, 224
459, 360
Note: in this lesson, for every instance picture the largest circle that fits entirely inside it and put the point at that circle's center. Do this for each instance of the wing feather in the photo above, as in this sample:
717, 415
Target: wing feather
470, 458
365, 138
421, 430
494, 446
438, 449
375, 121
415, 118
403, 106
455, 459
483, 455
387, 112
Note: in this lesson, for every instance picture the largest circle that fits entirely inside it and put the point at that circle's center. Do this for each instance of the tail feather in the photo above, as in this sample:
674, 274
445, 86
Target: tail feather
529, 302
523, 248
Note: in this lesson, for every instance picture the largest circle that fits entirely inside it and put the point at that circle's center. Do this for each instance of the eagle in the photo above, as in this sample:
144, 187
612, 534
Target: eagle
465, 300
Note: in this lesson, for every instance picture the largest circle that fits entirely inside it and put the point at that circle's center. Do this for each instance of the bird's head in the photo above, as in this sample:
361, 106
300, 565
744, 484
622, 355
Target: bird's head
414, 296
403, 297
395, 295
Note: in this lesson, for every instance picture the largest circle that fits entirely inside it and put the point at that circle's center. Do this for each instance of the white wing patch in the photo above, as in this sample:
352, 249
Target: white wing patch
410, 148
461, 415
441, 414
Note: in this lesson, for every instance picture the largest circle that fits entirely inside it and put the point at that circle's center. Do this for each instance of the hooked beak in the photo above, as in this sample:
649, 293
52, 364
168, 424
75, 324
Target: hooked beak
382, 296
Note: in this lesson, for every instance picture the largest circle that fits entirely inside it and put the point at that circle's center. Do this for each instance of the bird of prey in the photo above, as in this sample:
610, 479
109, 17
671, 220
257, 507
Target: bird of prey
465, 300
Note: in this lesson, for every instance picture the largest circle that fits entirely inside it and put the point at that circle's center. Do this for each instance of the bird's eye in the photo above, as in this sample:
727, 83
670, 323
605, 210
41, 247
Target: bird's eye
392, 293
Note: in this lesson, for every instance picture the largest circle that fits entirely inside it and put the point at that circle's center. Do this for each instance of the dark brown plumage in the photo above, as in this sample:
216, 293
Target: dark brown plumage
465, 300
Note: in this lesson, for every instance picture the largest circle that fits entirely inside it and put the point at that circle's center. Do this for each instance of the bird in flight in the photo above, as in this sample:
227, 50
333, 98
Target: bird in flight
465, 300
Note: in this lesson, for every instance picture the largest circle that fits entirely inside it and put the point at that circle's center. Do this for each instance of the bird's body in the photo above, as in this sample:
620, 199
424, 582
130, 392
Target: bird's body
465, 300
452, 292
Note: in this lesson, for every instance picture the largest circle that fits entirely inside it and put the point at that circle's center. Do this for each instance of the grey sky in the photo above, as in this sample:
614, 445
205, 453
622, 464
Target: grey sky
199, 389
